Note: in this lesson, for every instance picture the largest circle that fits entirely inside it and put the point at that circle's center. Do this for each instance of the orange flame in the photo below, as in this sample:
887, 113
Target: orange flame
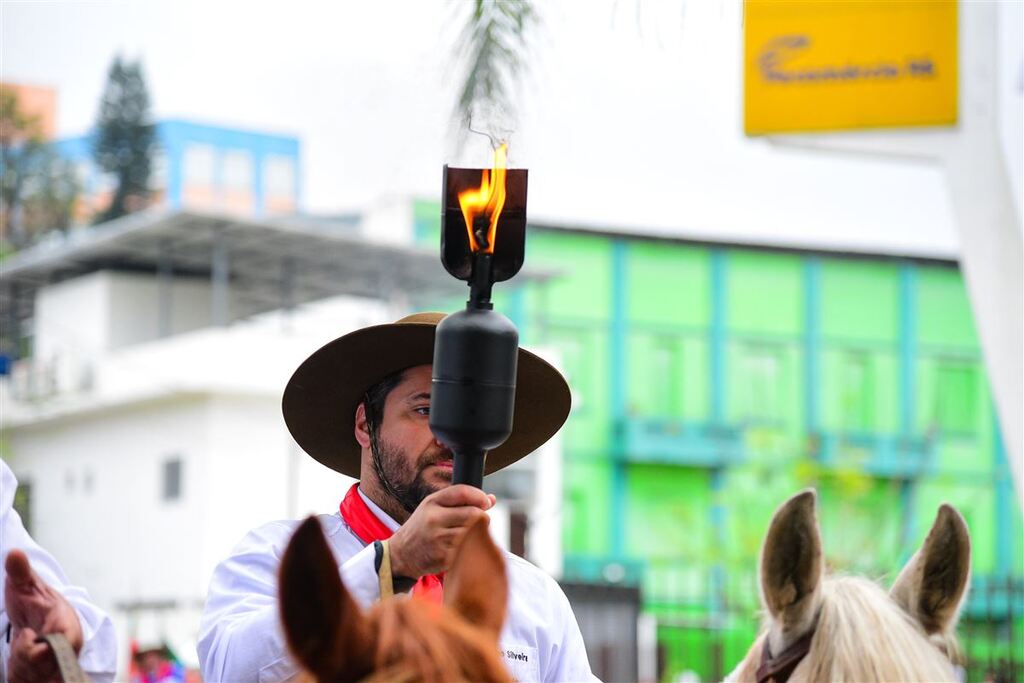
487, 200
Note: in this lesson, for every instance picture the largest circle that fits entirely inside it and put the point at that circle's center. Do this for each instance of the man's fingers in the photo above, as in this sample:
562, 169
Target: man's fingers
31, 661
38, 653
460, 516
463, 494
23, 637
25, 646
19, 571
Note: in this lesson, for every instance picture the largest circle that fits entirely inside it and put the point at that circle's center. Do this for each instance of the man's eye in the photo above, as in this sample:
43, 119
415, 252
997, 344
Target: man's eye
423, 410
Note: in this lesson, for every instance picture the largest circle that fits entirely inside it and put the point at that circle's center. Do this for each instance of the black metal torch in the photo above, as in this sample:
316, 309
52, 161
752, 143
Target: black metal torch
475, 350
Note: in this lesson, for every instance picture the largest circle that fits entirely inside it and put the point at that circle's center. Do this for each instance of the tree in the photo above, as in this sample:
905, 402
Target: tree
125, 137
50, 203
38, 189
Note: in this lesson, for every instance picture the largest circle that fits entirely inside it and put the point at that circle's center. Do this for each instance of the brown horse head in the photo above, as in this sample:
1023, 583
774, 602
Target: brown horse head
833, 628
400, 639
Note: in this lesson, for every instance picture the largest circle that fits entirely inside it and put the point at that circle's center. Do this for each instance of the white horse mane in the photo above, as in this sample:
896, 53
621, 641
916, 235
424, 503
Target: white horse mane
858, 631
862, 635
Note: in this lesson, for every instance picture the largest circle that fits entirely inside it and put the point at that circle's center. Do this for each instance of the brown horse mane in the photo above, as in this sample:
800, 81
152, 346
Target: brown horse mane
401, 639
419, 641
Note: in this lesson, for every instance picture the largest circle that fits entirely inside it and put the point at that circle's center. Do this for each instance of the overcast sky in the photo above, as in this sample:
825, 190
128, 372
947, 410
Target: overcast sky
632, 112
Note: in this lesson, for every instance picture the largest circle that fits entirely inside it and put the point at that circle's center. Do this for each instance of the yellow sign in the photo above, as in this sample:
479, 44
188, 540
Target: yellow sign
815, 65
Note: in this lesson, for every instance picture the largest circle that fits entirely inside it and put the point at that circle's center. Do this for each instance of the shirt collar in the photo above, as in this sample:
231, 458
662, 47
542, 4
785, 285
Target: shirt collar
378, 513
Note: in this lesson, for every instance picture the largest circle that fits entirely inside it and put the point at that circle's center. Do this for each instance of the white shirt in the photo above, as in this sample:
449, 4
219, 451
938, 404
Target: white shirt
240, 637
98, 657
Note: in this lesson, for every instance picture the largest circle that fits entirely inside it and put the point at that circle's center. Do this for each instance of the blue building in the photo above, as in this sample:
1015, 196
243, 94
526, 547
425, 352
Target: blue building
199, 166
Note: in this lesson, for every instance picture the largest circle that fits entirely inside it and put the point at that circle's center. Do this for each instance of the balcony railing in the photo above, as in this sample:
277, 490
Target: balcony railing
580, 568
995, 598
675, 442
881, 455
32, 380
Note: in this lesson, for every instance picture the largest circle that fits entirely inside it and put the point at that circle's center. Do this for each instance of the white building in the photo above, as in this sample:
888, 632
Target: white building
145, 428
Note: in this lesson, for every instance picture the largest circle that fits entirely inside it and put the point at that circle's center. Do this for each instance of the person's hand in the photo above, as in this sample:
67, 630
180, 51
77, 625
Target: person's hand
35, 609
425, 544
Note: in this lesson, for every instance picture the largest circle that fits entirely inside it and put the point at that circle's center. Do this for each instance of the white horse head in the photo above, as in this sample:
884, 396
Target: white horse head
842, 628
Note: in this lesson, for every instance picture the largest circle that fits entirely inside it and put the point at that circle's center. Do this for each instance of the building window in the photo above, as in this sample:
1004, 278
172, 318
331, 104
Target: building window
238, 170
279, 176
666, 378
158, 172
956, 394
87, 481
856, 392
83, 174
574, 347
761, 385
199, 165
172, 479
519, 524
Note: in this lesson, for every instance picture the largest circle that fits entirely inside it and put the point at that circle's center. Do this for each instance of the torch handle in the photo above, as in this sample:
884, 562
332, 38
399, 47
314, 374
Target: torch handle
468, 468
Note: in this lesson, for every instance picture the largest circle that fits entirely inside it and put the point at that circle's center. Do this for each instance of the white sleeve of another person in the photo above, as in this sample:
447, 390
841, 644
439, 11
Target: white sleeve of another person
98, 657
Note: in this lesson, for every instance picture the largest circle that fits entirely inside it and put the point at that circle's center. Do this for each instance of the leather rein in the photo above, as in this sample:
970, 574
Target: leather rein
778, 669
67, 660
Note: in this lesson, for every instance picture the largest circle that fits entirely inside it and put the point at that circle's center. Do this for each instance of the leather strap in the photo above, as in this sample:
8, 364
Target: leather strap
387, 586
365, 525
779, 669
67, 660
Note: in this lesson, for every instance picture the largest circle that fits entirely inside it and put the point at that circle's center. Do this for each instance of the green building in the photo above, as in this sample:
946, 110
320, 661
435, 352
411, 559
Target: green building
712, 381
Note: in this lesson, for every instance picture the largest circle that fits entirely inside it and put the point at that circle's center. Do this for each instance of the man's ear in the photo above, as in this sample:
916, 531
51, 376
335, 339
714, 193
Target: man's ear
324, 627
476, 586
362, 428
934, 581
791, 565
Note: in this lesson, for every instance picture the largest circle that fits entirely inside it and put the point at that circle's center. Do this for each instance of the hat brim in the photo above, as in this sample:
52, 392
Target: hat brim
321, 398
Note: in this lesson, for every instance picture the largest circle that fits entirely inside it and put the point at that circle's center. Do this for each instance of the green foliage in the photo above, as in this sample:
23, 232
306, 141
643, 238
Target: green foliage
493, 46
38, 189
125, 137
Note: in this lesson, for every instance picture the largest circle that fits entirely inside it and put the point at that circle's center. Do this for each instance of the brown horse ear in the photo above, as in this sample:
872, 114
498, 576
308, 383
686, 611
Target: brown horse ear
324, 628
791, 564
934, 581
477, 586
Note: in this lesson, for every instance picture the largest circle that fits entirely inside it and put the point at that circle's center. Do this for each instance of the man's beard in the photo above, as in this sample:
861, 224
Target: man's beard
403, 481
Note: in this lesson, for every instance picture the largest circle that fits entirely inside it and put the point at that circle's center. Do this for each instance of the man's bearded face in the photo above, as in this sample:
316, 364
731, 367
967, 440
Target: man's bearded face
404, 475
409, 463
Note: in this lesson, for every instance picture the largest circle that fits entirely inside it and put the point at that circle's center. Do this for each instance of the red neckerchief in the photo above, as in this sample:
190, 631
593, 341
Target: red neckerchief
364, 524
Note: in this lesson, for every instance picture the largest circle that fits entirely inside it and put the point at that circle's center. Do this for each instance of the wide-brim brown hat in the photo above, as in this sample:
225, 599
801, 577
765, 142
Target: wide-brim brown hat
321, 398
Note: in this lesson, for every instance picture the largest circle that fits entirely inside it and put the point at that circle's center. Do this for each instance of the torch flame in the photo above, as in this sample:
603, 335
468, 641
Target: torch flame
485, 202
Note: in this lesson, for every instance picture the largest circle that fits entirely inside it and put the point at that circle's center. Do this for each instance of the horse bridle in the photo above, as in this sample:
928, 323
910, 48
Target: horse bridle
778, 669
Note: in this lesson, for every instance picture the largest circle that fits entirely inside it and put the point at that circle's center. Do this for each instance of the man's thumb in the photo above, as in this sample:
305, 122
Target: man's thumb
19, 572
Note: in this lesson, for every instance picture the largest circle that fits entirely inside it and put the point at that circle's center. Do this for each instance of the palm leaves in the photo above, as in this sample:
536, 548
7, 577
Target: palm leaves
493, 47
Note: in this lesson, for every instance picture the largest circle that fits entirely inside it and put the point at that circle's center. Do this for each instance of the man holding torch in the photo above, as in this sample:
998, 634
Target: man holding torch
361, 405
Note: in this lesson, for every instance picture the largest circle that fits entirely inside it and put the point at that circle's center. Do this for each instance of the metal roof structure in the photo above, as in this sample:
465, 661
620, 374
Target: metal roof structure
265, 264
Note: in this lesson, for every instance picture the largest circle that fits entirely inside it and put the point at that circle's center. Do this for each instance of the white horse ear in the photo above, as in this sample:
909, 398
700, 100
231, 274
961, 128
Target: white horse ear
791, 565
934, 581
